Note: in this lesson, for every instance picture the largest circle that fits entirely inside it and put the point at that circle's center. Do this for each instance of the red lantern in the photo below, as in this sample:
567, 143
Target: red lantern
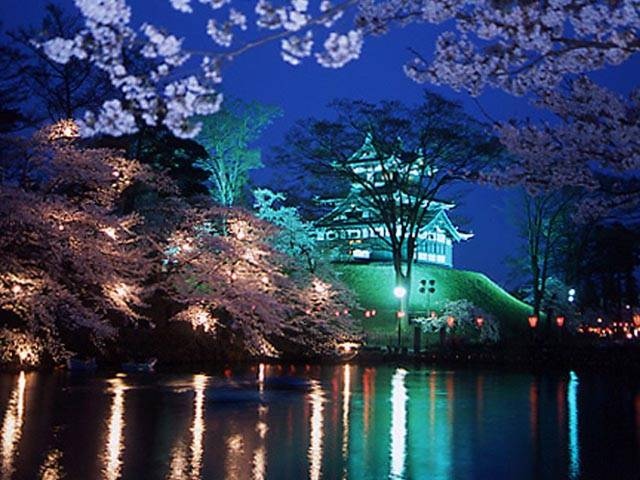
636, 319
451, 321
560, 321
480, 322
533, 321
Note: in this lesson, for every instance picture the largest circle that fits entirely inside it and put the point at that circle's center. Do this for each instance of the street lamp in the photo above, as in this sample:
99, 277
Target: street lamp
400, 293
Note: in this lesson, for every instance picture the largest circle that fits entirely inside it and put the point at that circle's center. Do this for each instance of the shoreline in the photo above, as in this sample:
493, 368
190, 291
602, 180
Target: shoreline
597, 358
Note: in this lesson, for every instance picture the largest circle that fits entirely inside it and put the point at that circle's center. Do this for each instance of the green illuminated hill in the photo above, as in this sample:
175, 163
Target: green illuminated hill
373, 284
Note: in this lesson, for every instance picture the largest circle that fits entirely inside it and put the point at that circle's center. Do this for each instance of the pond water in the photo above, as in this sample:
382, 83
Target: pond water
352, 422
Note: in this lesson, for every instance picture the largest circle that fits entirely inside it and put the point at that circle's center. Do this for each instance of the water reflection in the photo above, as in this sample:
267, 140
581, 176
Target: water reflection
260, 453
354, 423
533, 411
51, 469
197, 429
316, 399
346, 397
182, 464
368, 392
234, 460
12, 426
574, 445
112, 457
398, 423
261, 373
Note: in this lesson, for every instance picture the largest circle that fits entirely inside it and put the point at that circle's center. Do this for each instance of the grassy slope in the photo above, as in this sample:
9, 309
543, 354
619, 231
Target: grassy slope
374, 282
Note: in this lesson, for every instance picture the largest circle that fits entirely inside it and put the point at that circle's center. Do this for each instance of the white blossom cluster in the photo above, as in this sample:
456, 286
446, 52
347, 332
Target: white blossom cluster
518, 47
185, 5
341, 49
599, 133
295, 48
62, 50
290, 18
112, 119
152, 98
223, 35
166, 47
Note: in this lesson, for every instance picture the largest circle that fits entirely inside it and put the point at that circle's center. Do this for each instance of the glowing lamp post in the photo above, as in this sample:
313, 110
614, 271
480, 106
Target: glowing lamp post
400, 293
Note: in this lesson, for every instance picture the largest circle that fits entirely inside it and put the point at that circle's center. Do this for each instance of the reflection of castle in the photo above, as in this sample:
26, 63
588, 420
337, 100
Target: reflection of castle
353, 223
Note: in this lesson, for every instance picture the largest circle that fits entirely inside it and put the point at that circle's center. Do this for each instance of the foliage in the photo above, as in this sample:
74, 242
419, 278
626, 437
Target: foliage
460, 317
294, 236
556, 302
226, 137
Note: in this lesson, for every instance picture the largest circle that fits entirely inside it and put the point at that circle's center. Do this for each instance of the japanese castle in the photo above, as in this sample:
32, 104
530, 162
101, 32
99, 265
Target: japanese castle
352, 227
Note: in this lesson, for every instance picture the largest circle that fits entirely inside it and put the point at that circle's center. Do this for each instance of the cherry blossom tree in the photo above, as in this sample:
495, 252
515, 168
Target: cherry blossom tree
233, 285
460, 317
592, 146
518, 47
162, 95
75, 268
71, 267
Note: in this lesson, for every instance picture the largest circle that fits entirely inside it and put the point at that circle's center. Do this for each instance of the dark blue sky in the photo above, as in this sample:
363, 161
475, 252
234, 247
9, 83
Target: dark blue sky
305, 90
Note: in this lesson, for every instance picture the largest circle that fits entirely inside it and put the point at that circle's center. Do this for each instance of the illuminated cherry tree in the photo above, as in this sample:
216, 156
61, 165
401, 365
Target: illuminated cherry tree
234, 285
70, 265
594, 146
517, 47
464, 319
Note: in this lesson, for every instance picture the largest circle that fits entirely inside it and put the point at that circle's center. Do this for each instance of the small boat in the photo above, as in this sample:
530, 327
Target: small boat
140, 367
79, 365
287, 382
232, 395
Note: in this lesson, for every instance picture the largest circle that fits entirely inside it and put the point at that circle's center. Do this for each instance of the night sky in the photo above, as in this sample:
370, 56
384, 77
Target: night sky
305, 90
